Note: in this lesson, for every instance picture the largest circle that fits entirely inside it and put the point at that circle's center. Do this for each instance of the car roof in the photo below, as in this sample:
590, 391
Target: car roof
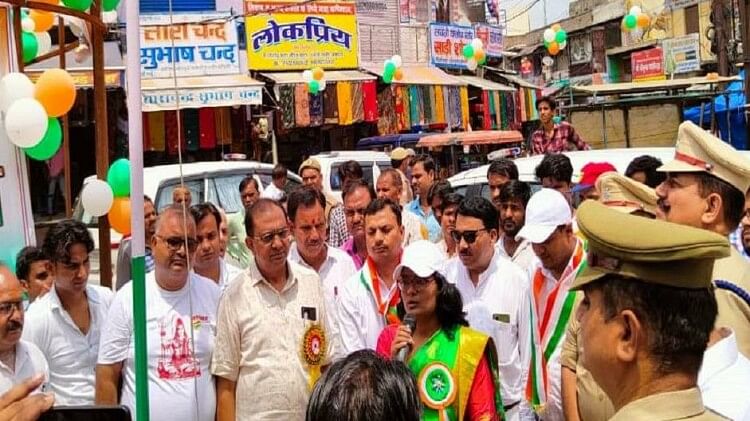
336, 156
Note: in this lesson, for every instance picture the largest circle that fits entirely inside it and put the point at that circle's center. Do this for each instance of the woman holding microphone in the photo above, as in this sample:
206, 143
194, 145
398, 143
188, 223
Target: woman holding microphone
455, 366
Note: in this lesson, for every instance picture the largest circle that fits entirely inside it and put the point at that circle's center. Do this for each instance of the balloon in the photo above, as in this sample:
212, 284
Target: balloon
322, 84
110, 5
555, 27
56, 90
118, 177
44, 41
549, 35
43, 21
399, 74
562, 45
80, 5
75, 25
635, 11
30, 46
119, 215
313, 86
468, 51
477, 44
307, 76
318, 73
387, 78
643, 20
50, 143
390, 67
546, 44
479, 55
53, 2
27, 25
14, 86
554, 48
631, 21
483, 60
97, 197
561, 36
388, 73
26, 122
397, 60
471, 64
109, 17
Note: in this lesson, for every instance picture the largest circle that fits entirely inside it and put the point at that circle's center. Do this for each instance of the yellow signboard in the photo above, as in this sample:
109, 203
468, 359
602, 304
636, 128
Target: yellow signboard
315, 34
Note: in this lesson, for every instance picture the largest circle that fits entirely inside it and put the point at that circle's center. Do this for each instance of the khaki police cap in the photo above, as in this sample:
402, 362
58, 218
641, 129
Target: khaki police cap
399, 154
309, 163
622, 193
699, 151
645, 249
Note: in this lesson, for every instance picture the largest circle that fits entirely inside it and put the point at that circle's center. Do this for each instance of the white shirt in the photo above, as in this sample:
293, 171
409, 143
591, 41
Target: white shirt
272, 192
499, 306
414, 230
29, 362
360, 321
174, 375
335, 271
524, 255
227, 273
70, 353
724, 379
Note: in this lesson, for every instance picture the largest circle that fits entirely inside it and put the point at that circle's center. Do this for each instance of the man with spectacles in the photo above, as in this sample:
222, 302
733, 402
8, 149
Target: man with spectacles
495, 294
357, 196
274, 334
66, 323
19, 359
208, 261
181, 308
560, 253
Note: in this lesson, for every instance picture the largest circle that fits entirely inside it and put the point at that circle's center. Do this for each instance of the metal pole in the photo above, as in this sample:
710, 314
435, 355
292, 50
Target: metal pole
745, 31
65, 126
717, 8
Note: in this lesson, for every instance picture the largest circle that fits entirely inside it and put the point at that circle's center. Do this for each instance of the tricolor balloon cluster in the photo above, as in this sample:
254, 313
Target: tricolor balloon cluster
315, 79
474, 54
555, 39
635, 19
30, 110
111, 197
392, 69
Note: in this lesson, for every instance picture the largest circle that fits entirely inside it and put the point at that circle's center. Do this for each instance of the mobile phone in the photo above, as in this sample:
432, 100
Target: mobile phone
87, 413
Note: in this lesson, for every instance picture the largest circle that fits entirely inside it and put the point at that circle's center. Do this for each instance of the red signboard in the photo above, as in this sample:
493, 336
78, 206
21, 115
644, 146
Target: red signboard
647, 64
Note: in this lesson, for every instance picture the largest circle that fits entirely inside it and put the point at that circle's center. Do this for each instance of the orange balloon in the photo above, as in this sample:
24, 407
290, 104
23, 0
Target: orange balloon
119, 215
56, 91
43, 21
318, 73
53, 2
398, 74
553, 48
643, 20
479, 55
555, 27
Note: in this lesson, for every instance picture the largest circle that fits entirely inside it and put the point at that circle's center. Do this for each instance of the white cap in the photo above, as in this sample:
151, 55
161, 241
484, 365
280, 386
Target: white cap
546, 210
422, 257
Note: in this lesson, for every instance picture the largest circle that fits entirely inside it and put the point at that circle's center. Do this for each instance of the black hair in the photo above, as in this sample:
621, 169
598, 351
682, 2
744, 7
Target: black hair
350, 170
247, 180
480, 208
504, 167
678, 321
62, 236
449, 306
515, 190
452, 199
147, 199
393, 174
549, 99
555, 166
305, 196
26, 257
427, 162
202, 210
365, 387
648, 165
279, 172
439, 189
352, 185
378, 205
733, 200
261, 206
396, 163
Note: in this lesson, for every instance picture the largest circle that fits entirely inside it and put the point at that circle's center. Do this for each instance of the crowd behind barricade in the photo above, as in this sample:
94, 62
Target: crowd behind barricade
618, 297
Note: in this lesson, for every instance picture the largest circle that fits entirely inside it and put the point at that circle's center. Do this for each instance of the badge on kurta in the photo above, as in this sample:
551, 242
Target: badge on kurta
313, 350
437, 388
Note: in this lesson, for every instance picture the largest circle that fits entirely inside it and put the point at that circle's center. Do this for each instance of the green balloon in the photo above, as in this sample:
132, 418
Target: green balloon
50, 143
390, 67
483, 60
80, 5
468, 51
631, 21
30, 46
118, 177
313, 86
110, 5
561, 36
387, 78
389, 72
546, 44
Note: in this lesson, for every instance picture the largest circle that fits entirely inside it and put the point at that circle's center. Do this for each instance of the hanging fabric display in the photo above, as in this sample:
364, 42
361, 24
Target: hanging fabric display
401, 109
386, 111
190, 129
238, 118
206, 128
358, 103
407, 106
493, 114
414, 105
223, 118
330, 105
447, 106
425, 117
172, 132
286, 103
316, 109
344, 93
439, 105
146, 133
370, 100
156, 131
301, 105
464, 92
486, 121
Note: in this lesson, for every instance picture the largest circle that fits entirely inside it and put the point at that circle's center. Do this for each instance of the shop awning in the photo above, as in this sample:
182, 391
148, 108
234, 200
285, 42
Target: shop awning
201, 92
420, 75
650, 86
485, 84
82, 72
513, 78
483, 137
630, 48
282, 78
393, 140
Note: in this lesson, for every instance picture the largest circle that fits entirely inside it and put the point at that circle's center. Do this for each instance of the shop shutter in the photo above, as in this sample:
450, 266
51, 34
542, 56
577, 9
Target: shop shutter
153, 6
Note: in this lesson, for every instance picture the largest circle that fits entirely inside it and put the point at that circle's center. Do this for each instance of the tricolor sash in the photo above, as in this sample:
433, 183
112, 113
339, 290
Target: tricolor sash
387, 309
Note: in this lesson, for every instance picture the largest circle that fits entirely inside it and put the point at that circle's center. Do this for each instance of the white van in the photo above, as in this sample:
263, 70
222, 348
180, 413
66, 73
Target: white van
372, 162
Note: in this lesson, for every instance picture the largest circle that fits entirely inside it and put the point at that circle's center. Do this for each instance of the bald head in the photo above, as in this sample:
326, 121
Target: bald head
7, 277
171, 213
180, 195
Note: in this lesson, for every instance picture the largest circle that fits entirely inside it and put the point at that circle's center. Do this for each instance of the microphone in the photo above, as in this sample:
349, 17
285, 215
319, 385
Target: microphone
410, 321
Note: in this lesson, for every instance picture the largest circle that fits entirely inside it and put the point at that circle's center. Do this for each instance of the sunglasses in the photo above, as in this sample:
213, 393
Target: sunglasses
469, 236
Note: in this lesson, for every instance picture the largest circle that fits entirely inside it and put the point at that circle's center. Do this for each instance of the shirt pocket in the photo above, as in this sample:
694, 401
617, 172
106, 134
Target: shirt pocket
506, 340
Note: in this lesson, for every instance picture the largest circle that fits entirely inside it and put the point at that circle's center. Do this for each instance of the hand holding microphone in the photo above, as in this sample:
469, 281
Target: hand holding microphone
403, 342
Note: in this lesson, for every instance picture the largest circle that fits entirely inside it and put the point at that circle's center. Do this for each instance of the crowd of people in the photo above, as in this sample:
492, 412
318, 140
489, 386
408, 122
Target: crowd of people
617, 297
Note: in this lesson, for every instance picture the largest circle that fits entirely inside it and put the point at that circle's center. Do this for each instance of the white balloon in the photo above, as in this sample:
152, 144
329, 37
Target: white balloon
471, 64
477, 44
397, 60
562, 45
322, 85
549, 35
109, 17
14, 86
635, 10
26, 122
28, 25
75, 25
97, 197
44, 41
307, 76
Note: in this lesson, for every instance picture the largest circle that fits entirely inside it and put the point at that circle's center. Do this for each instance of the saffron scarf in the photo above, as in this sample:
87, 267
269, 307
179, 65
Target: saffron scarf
387, 309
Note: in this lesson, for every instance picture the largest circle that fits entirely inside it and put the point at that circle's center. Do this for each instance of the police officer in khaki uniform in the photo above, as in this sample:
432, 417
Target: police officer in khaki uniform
583, 399
705, 188
400, 159
647, 312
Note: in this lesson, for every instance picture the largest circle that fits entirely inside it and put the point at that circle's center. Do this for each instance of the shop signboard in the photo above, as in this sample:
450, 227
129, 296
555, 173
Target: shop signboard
302, 36
682, 54
492, 37
166, 99
190, 44
447, 43
647, 64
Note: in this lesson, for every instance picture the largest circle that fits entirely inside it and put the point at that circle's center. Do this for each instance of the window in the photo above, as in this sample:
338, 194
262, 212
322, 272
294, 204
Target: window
225, 192
154, 6
164, 195
691, 20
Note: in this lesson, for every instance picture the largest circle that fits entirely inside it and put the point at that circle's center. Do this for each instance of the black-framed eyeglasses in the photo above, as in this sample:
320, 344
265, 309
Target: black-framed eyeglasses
175, 243
6, 308
405, 282
268, 237
469, 236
